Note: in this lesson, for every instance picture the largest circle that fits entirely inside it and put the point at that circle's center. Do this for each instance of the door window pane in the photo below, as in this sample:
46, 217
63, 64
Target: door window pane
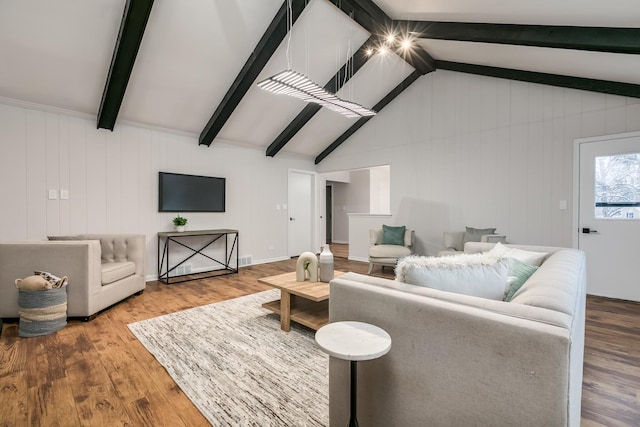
617, 189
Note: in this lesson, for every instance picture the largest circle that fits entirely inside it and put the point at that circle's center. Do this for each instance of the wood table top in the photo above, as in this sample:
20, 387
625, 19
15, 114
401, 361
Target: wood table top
315, 291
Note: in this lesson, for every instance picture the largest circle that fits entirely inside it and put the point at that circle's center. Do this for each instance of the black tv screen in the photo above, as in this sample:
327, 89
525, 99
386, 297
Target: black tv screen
191, 193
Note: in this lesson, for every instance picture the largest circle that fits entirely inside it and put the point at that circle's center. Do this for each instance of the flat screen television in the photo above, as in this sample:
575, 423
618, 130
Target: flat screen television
190, 193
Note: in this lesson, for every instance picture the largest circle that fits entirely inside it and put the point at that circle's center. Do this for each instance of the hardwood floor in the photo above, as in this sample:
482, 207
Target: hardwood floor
98, 374
340, 250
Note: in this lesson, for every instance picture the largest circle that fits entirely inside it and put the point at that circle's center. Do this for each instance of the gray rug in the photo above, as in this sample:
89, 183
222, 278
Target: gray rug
238, 367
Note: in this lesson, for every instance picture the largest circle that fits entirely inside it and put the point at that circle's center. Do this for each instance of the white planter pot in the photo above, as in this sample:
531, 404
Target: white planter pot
179, 228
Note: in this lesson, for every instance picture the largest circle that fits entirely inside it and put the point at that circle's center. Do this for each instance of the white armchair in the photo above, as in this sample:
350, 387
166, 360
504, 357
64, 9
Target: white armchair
386, 255
102, 269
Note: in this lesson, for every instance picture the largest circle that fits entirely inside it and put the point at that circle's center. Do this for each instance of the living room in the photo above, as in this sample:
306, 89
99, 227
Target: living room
463, 150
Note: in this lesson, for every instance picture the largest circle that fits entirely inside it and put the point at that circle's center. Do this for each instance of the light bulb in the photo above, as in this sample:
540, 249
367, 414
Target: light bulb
369, 52
383, 50
406, 44
390, 38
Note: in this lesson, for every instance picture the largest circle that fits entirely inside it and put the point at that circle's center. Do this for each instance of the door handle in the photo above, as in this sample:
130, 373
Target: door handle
291, 218
587, 230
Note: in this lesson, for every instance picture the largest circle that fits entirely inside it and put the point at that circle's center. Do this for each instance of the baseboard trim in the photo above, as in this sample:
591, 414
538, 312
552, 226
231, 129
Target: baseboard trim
154, 277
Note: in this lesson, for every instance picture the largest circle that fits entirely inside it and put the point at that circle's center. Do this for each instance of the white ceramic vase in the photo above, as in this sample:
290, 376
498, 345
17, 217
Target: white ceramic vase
326, 264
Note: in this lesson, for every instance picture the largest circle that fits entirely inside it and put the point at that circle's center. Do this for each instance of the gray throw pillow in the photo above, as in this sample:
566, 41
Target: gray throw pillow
393, 235
475, 234
74, 237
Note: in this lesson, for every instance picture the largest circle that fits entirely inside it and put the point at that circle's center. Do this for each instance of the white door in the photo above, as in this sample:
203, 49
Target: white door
609, 214
301, 212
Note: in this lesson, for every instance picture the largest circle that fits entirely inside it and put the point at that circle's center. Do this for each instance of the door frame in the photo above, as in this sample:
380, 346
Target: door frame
314, 207
576, 176
326, 214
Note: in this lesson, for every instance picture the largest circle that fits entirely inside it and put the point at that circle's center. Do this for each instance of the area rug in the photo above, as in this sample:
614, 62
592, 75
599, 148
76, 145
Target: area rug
238, 367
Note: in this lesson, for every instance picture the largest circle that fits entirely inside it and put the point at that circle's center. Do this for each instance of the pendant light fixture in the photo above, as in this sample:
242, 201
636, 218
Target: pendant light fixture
292, 83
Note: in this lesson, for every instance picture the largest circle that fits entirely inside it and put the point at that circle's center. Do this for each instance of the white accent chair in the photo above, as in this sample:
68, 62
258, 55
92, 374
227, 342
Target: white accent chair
103, 269
388, 255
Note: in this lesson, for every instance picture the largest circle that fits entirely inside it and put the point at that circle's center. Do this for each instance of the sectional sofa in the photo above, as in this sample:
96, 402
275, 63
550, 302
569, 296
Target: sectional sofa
463, 360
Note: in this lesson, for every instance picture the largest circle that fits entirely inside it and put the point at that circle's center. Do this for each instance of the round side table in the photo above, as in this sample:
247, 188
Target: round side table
353, 341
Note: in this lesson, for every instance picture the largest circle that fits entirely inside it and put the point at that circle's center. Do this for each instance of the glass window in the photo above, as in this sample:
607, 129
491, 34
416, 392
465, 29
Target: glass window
617, 189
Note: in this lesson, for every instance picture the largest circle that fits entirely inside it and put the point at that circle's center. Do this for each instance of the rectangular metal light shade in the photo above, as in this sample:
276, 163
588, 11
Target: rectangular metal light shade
291, 83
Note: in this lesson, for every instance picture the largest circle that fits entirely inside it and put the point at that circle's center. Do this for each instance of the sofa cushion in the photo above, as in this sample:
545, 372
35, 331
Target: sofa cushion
475, 234
393, 235
389, 251
454, 240
519, 273
114, 271
528, 257
480, 275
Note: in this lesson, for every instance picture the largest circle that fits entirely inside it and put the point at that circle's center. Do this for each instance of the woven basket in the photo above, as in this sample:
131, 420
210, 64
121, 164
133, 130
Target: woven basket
42, 312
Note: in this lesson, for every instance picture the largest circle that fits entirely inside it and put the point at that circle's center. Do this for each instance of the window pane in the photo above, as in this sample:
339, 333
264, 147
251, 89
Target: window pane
617, 190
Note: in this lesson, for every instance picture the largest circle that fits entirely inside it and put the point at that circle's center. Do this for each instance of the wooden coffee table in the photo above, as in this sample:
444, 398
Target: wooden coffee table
305, 302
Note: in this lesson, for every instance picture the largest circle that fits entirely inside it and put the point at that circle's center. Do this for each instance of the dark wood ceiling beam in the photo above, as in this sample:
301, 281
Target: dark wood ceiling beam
337, 81
134, 21
602, 86
263, 51
601, 39
361, 121
373, 19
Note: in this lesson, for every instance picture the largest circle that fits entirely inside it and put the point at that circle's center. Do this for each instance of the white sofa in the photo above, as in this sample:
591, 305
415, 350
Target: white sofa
462, 360
102, 269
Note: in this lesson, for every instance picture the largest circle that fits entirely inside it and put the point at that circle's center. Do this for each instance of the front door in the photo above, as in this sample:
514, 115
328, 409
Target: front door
609, 214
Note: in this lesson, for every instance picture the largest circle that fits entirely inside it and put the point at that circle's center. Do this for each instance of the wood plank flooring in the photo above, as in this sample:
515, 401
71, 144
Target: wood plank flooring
98, 374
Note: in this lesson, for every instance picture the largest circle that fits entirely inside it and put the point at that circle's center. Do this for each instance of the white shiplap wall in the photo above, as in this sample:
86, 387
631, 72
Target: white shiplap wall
112, 178
477, 151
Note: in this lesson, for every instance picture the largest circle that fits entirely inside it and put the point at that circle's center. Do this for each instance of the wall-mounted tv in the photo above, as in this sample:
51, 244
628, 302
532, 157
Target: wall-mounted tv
190, 193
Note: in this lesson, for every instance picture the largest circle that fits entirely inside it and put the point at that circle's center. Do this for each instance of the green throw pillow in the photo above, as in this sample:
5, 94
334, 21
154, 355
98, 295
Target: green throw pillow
518, 274
393, 235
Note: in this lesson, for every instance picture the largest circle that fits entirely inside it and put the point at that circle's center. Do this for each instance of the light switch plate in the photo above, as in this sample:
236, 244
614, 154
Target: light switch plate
563, 205
53, 194
64, 194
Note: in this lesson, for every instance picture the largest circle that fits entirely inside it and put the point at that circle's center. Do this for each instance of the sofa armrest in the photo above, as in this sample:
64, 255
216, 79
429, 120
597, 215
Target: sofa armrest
453, 240
450, 364
79, 260
375, 237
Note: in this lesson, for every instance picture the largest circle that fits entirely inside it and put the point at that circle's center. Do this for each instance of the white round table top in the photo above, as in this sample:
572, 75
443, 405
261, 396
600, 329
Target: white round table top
353, 340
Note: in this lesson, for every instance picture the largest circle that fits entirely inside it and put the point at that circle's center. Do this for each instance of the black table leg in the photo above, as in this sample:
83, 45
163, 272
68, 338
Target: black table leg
353, 421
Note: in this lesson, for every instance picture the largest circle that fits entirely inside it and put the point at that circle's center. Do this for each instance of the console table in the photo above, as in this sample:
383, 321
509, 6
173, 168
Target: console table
222, 267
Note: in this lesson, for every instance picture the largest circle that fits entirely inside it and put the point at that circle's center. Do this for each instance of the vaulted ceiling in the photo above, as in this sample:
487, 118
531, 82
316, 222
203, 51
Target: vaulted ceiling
193, 65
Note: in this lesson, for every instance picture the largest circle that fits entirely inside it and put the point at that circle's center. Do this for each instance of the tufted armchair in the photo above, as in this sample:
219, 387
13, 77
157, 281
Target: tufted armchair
387, 255
103, 269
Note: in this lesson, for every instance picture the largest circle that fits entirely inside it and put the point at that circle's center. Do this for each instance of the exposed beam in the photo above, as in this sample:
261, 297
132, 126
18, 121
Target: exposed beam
361, 121
263, 51
337, 81
602, 86
134, 21
616, 40
373, 19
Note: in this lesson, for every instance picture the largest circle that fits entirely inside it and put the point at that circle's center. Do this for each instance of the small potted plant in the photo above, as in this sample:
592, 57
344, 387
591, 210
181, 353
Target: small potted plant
179, 223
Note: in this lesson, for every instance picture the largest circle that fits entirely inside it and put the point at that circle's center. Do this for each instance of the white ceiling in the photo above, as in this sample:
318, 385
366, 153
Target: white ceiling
586, 13
57, 53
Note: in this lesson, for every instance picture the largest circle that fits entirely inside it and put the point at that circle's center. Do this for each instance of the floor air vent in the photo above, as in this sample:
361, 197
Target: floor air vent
244, 261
